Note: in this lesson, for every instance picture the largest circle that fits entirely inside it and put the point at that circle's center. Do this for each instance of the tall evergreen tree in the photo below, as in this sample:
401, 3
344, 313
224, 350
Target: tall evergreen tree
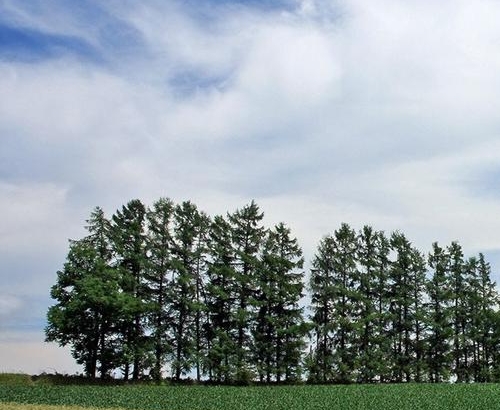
201, 225
279, 329
381, 324
440, 331
322, 287
487, 297
470, 320
129, 241
407, 288
186, 277
346, 303
373, 349
335, 301
88, 302
419, 314
458, 310
246, 233
160, 244
220, 298
221, 302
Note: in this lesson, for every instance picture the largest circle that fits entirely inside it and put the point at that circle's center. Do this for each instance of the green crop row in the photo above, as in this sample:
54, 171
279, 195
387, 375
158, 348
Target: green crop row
352, 397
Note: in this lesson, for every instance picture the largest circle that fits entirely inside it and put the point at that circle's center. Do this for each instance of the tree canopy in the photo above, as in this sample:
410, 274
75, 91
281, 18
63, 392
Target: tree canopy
168, 291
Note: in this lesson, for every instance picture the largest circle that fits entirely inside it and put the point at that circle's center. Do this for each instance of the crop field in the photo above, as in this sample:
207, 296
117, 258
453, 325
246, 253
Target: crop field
39, 396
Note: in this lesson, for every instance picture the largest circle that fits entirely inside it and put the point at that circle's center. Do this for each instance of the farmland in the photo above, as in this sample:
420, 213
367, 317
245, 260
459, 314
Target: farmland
150, 397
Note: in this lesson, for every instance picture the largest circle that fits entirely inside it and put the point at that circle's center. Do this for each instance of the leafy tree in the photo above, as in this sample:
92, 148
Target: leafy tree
408, 283
458, 310
382, 298
334, 304
323, 293
246, 238
159, 247
346, 302
168, 286
88, 301
419, 314
279, 329
373, 347
221, 300
440, 331
470, 321
185, 284
200, 249
487, 304
129, 242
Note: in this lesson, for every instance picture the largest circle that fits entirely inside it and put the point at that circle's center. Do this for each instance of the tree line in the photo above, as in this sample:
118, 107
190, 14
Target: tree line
169, 290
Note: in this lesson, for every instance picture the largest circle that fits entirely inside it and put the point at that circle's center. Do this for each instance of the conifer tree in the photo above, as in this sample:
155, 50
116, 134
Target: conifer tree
471, 320
407, 275
458, 309
200, 265
221, 300
87, 300
334, 303
488, 303
160, 244
246, 237
373, 346
279, 329
129, 242
382, 353
189, 225
419, 314
323, 293
346, 302
440, 331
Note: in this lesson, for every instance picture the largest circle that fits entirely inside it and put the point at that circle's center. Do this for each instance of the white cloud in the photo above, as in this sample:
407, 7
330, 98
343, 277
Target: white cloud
291, 65
57, 102
435, 59
33, 217
8, 305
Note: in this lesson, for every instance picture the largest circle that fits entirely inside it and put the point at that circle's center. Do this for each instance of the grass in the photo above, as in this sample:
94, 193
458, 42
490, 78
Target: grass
16, 406
149, 397
15, 379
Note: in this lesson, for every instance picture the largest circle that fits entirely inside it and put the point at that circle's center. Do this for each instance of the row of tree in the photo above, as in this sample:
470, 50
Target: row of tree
382, 312
167, 289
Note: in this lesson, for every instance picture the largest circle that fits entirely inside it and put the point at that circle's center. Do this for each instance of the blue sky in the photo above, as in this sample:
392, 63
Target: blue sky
381, 113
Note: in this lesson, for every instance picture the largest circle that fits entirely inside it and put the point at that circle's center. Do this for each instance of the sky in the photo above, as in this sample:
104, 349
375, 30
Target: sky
382, 112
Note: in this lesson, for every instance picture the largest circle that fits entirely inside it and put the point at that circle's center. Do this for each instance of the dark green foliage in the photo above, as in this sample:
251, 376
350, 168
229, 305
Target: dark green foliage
129, 242
89, 303
159, 291
377, 315
167, 290
323, 293
460, 293
407, 289
440, 330
373, 336
221, 296
246, 240
485, 319
279, 329
186, 283
335, 302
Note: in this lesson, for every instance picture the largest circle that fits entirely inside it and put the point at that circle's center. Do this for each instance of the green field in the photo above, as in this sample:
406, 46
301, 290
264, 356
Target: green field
146, 397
